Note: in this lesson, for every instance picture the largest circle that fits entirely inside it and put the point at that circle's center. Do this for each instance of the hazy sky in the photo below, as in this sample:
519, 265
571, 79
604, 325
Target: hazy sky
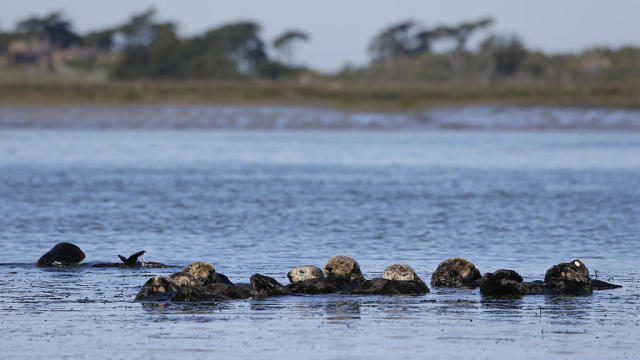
341, 29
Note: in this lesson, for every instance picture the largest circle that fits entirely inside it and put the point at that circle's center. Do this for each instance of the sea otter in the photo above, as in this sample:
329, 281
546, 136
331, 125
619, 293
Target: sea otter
67, 254
456, 272
396, 279
570, 278
62, 254
343, 269
130, 263
305, 272
343, 275
197, 281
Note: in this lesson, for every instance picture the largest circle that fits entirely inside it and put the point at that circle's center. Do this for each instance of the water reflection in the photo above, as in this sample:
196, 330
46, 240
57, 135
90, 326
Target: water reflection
498, 304
342, 310
568, 308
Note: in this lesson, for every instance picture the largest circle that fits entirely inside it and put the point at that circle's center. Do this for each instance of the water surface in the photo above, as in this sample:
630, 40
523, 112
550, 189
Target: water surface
265, 201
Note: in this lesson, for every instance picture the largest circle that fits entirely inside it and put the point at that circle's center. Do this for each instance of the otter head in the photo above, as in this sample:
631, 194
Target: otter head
400, 272
343, 268
184, 279
456, 272
62, 254
158, 285
304, 272
201, 271
574, 272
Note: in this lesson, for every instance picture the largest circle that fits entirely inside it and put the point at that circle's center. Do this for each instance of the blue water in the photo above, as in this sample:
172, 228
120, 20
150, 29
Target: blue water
266, 201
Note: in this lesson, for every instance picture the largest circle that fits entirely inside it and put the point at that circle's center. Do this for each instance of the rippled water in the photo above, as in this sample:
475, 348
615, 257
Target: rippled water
288, 117
265, 201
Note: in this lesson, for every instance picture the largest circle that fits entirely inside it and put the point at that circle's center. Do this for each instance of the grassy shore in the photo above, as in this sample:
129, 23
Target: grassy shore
341, 94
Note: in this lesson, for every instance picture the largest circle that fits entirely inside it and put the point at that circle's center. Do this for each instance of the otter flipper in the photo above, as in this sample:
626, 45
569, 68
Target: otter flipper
132, 261
603, 285
266, 286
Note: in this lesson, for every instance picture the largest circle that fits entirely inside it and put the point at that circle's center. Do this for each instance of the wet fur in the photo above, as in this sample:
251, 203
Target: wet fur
456, 273
62, 254
570, 278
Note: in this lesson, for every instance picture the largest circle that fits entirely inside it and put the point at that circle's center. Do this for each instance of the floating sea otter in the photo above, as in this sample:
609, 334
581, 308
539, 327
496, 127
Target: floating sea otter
67, 254
197, 281
396, 279
457, 273
343, 275
62, 254
570, 278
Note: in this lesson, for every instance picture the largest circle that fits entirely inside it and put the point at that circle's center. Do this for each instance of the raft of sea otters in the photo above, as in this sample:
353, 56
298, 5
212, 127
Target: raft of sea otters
200, 282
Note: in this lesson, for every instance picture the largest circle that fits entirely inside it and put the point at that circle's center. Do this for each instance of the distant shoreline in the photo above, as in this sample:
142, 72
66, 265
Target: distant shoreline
298, 117
344, 95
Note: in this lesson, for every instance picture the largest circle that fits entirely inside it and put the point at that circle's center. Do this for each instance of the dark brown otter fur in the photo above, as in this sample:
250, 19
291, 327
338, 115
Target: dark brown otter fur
569, 278
457, 273
196, 282
62, 254
563, 279
344, 276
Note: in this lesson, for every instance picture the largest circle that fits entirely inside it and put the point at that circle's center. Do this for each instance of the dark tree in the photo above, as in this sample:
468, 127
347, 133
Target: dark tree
240, 42
139, 30
53, 28
462, 32
102, 40
284, 44
398, 40
425, 40
508, 54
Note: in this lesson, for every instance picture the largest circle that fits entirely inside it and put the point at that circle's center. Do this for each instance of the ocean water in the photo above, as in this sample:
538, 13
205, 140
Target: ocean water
268, 200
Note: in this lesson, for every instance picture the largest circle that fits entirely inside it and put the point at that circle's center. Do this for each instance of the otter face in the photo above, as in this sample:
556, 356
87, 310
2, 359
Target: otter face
343, 268
305, 272
399, 272
201, 271
184, 279
158, 284
455, 272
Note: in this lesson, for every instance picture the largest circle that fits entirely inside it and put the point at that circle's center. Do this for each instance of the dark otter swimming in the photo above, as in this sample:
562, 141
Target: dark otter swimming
131, 262
570, 278
62, 254
67, 254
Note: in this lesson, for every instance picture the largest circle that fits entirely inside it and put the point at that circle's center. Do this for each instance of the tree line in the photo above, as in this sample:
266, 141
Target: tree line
144, 48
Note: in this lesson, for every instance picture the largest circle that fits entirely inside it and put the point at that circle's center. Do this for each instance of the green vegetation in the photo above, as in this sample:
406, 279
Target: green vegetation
412, 66
365, 95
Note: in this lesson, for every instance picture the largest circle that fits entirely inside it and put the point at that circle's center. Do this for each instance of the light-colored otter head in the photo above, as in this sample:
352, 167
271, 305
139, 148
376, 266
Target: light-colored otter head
455, 272
158, 284
400, 272
184, 279
201, 271
305, 272
343, 268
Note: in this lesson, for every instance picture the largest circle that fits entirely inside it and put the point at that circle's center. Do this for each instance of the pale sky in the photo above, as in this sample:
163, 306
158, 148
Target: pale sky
341, 29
